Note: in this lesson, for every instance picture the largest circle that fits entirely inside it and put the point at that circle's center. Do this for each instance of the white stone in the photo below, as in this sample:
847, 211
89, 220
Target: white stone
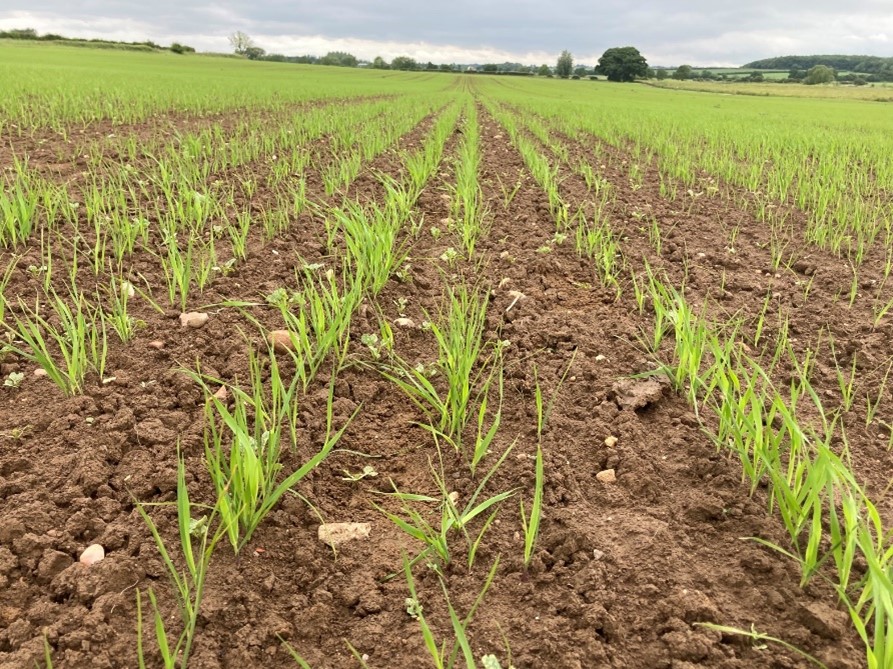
92, 554
335, 534
193, 319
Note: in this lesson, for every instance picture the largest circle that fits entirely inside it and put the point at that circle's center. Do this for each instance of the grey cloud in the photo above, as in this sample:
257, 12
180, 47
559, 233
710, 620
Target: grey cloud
698, 31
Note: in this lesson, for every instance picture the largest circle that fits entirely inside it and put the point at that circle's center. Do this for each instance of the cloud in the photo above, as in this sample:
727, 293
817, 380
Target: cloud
694, 31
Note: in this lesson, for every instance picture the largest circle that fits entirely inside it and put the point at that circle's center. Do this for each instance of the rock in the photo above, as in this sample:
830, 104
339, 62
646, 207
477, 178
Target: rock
404, 322
92, 554
40, 372
221, 394
607, 476
611, 441
335, 534
636, 394
193, 319
156, 344
281, 341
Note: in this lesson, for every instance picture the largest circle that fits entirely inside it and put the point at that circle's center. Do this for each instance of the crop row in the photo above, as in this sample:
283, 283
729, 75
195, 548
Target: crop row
787, 440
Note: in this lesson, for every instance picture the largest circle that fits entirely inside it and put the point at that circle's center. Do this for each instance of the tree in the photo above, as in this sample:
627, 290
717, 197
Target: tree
565, 64
380, 64
19, 33
254, 53
581, 71
490, 67
660, 75
446, 67
819, 74
683, 72
544, 71
403, 63
241, 42
339, 58
622, 63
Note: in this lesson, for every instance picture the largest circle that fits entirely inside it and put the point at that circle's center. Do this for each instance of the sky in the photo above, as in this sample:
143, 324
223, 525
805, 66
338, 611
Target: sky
697, 32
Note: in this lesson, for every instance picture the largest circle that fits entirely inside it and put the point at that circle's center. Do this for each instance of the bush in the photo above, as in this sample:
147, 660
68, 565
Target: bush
819, 74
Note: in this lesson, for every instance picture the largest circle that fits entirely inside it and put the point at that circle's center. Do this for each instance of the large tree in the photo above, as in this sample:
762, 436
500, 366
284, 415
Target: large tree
565, 64
622, 63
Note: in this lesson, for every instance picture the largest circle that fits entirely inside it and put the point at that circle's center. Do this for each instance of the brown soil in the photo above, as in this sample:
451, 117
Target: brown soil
622, 570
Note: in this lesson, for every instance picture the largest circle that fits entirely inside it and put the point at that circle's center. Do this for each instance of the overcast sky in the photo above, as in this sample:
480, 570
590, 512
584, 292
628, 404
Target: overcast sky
699, 32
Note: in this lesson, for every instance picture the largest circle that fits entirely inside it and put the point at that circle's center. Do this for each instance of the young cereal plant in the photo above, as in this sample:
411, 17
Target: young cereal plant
508, 194
373, 254
79, 338
459, 335
461, 644
453, 518
880, 310
531, 524
189, 584
596, 240
4, 282
846, 385
18, 212
872, 405
318, 318
119, 293
245, 474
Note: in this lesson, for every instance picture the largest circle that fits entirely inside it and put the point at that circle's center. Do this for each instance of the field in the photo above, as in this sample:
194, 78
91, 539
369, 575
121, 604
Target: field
599, 373
876, 92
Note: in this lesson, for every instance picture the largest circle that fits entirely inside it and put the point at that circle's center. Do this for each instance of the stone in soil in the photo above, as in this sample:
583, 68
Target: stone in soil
335, 534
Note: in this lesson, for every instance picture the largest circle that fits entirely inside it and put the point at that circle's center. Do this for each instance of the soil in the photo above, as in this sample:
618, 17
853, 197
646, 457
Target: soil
623, 570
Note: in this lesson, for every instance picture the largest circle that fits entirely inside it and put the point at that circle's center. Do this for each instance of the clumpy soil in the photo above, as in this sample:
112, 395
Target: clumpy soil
625, 567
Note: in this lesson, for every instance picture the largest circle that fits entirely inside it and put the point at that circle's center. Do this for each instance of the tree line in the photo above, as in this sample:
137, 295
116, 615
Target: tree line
869, 65
31, 34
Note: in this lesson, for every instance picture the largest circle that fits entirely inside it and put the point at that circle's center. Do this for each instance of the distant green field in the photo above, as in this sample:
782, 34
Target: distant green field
53, 85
